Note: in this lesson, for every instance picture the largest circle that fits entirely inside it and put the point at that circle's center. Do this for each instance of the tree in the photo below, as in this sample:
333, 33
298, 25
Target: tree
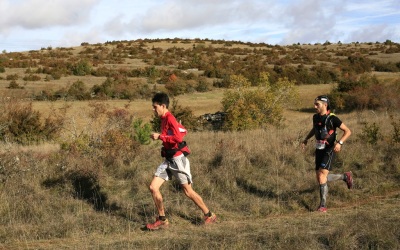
81, 68
250, 108
78, 91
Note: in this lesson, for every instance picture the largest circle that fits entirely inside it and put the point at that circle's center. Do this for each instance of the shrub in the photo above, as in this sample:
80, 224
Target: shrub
122, 88
14, 85
365, 93
81, 68
142, 132
46, 95
203, 85
78, 91
117, 148
102, 71
57, 74
32, 77
370, 133
179, 87
105, 88
387, 67
357, 64
12, 77
248, 108
22, 124
396, 129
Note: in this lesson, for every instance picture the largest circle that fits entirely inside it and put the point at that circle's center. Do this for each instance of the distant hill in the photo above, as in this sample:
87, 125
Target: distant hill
132, 69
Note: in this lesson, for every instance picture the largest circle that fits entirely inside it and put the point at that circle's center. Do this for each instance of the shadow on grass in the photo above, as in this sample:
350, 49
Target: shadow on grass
252, 189
85, 188
242, 183
195, 220
304, 202
216, 161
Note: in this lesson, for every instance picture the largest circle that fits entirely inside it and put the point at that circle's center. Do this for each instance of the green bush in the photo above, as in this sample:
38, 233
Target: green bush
142, 132
78, 91
358, 64
81, 68
370, 133
395, 137
203, 85
121, 87
387, 67
249, 108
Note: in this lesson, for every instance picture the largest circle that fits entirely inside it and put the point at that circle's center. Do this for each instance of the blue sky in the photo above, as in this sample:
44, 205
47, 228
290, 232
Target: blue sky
34, 24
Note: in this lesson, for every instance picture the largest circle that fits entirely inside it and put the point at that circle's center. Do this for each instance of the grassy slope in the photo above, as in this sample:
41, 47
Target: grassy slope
259, 208
338, 229
261, 186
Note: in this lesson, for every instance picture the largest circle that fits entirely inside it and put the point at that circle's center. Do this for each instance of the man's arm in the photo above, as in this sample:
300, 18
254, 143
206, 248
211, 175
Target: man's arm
346, 134
309, 135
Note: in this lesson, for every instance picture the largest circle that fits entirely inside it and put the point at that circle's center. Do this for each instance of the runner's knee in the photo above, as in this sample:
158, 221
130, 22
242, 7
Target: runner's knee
153, 189
187, 189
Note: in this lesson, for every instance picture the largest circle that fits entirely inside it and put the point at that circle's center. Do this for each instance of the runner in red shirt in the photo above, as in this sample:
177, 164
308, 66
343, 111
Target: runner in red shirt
175, 163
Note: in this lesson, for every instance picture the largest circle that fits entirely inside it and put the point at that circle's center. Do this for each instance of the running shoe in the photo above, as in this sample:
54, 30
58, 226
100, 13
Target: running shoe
211, 219
159, 224
322, 209
349, 179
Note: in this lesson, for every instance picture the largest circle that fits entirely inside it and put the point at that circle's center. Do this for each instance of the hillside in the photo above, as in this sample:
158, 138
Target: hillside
87, 187
135, 68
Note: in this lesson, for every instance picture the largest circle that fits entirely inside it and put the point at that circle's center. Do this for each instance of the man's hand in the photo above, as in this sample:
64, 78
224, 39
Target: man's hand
304, 144
155, 136
337, 148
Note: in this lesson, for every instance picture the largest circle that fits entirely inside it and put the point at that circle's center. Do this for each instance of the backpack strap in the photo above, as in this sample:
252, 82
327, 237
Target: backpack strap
331, 131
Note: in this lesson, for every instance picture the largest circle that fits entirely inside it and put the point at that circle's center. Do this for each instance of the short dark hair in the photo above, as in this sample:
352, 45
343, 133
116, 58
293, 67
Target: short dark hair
161, 98
324, 98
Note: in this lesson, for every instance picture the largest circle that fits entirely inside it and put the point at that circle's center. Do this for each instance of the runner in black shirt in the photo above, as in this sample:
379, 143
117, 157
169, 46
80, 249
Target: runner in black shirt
324, 131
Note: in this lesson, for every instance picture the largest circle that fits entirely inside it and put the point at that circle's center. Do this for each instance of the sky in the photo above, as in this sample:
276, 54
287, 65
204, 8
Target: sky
35, 24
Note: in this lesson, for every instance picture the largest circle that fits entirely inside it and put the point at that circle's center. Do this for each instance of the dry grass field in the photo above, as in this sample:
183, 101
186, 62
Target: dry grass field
70, 193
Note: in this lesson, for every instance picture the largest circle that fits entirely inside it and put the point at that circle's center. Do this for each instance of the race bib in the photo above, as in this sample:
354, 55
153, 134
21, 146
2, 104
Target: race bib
320, 144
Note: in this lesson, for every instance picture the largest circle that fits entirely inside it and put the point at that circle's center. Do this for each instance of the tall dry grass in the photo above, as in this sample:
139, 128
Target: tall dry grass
260, 183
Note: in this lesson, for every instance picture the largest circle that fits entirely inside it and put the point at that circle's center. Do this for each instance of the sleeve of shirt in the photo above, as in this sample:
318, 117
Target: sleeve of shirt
336, 121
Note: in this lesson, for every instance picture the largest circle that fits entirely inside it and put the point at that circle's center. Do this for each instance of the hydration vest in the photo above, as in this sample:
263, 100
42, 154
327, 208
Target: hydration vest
324, 129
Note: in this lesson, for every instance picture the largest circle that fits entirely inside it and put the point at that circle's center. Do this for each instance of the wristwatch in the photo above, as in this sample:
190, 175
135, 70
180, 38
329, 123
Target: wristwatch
340, 142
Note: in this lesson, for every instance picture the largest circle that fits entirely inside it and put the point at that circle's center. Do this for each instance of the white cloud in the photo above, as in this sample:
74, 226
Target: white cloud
284, 22
185, 15
370, 34
36, 14
312, 21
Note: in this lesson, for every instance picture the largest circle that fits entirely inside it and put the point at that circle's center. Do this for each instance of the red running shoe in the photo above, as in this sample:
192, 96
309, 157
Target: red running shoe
159, 224
322, 209
349, 179
211, 219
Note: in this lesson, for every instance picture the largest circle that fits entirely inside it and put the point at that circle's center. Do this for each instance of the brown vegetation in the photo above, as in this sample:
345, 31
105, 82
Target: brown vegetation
75, 174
